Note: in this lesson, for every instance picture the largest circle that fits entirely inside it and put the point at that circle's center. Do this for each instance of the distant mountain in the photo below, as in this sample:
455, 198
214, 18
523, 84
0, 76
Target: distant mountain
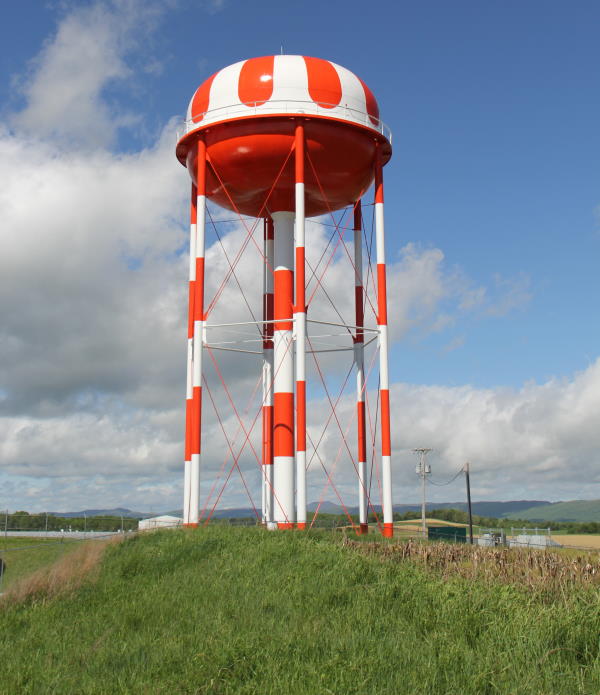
119, 511
493, 509
575, 510
530, 510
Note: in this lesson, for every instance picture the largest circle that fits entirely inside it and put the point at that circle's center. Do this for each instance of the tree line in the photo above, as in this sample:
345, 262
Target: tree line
23, 521
459, 516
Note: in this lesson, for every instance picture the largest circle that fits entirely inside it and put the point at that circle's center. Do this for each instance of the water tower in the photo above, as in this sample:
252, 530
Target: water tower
281, 139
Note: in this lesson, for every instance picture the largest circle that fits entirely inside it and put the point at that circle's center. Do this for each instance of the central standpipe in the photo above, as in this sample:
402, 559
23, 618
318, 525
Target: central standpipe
267, 450
300, 331
283, 365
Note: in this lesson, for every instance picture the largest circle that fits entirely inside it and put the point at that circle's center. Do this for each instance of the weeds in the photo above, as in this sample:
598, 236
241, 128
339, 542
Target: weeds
534, 569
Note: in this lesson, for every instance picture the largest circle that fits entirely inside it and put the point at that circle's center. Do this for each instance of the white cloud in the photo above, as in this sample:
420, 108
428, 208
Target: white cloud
537, 442
72, 307
65, 85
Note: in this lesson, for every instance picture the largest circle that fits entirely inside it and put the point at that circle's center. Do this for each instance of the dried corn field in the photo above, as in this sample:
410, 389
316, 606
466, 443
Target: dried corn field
529, 568
581, 540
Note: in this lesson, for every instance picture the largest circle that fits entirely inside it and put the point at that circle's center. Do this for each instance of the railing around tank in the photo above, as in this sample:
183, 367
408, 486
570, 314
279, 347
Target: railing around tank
287, 106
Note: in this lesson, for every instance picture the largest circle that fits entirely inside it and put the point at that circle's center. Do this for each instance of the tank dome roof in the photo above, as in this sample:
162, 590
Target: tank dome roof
284, 84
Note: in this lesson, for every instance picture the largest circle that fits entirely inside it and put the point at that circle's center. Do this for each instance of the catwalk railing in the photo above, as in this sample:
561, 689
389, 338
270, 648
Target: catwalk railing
287, 107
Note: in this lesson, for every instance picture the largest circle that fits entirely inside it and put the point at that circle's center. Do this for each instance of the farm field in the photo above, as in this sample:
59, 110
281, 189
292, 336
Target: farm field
577, 540
569, 540
239, 610
415, 524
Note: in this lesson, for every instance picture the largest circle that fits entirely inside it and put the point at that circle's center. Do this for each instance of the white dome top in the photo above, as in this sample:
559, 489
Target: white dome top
284, 84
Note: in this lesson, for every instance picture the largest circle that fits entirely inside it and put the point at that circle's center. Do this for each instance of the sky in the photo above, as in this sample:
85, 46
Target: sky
492, 231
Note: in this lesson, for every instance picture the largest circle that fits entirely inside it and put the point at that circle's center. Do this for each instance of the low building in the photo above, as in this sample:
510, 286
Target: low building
156, 522
533, 541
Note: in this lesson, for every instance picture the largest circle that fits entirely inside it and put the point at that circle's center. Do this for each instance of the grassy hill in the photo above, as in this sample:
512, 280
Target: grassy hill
576, 510
241, 611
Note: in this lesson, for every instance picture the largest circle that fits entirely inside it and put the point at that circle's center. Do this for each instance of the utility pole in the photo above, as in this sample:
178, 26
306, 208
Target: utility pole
423, 470
468, 481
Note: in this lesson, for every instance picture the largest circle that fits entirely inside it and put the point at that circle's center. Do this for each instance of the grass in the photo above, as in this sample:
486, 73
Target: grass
242, 611
23, 556
78, 565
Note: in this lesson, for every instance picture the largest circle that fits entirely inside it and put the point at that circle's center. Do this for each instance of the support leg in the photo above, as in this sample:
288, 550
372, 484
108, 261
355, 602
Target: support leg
196, 407
384, 387
190, 345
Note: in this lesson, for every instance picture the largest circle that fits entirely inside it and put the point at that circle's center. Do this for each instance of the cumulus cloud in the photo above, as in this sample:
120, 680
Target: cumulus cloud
537, 442
65, 86
73, 307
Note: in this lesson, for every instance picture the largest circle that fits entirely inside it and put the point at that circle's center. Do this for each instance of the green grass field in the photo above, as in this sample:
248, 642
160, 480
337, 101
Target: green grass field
25, 555
240, 610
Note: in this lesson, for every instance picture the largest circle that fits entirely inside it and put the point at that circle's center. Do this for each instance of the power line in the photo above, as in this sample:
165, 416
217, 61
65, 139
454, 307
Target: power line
448, 481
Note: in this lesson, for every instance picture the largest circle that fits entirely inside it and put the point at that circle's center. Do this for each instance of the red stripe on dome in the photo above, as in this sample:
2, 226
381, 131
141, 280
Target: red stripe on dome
255, 85
201, 99
372, 106
324, 84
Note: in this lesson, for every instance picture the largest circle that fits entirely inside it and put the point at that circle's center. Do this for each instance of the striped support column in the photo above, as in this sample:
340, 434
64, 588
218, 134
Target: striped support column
283, 365
300, 330
267, 412
196, 407
359, 358
190, 347
384, 387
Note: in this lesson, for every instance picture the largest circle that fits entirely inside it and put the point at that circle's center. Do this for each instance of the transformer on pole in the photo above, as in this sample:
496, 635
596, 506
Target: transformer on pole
423, 469
281, 139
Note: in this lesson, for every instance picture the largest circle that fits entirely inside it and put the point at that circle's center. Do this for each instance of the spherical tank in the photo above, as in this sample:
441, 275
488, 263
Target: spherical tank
247, 114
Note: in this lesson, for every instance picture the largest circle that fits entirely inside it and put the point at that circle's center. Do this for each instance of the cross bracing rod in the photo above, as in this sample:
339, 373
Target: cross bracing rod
243, 323
344, 325
218, 347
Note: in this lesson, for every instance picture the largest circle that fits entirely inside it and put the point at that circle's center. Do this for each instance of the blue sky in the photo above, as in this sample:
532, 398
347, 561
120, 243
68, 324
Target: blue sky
494, 109
495, 179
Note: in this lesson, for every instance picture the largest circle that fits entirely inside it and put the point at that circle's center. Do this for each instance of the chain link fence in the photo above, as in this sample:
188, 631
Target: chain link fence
29, 541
